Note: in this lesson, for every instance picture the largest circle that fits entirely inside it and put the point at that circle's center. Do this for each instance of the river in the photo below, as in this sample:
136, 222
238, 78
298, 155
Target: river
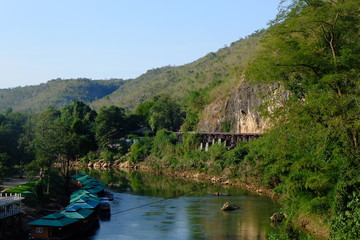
157, 207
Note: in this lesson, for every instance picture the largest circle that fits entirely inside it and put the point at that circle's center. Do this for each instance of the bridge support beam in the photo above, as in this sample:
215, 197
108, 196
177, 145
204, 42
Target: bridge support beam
229, 140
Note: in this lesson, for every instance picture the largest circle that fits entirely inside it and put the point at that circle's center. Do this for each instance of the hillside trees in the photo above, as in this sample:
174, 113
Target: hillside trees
62, 136
12, 156
162, 112
57, 93
313, 50
79, 120
194, 103
143, 110
110, 126
46, 141
165, 113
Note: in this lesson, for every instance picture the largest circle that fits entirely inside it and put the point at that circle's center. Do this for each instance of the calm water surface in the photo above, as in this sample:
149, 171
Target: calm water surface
154, 207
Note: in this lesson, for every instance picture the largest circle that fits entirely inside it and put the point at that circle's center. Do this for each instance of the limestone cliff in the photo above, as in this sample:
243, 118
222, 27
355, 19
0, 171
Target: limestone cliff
239, 110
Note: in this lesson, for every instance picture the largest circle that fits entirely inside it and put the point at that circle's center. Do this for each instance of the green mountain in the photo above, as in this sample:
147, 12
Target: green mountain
223, 68
56, 93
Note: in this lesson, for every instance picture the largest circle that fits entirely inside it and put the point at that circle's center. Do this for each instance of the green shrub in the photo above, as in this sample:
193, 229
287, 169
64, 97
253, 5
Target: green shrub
141, 149
226, 126
90, 157
107, 156
163, 143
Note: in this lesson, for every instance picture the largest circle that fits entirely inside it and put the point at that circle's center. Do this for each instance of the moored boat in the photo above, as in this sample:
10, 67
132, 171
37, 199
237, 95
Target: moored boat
109, 195
104, 204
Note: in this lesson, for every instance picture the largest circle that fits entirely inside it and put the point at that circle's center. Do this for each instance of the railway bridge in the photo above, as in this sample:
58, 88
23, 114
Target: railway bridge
228, 139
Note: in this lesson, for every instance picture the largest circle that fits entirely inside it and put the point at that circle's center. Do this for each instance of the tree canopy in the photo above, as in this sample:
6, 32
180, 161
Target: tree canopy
165, 113
313, 50
110, 125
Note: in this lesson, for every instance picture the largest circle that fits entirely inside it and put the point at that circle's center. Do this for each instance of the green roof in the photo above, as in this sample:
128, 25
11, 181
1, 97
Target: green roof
95, 183
84, 197
86, 180
88, 186
95, 189
79, 213
78, 175
79, 192
82, 192
54, 220
81, 203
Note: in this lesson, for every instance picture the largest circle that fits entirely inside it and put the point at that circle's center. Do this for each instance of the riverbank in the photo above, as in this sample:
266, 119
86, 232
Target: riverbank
12, 182
192, 175
310, 224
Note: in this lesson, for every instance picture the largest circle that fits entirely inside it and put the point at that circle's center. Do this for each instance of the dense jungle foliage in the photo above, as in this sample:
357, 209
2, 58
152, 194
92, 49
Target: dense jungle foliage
311, 154
34, 142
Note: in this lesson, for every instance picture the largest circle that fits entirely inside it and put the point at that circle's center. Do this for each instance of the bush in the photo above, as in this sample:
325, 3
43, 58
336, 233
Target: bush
216, 161
90, 157
141, 149
107, 156
163, 144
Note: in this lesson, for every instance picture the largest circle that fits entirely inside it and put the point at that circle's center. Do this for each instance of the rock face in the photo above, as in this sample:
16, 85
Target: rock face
239, 109
229, 207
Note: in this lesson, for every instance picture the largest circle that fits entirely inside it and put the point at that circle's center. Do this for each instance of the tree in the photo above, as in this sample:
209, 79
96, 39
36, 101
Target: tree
165, 113
79, 120
194, 103
60, 136
110, 126
3, 168
46, 142
143, 110
313, 50
11, 129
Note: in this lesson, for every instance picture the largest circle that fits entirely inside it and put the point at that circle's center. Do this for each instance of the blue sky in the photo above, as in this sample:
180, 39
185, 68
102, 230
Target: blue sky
42, 40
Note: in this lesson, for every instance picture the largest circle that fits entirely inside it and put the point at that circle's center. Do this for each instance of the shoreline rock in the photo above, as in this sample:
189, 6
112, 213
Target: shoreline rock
229, 207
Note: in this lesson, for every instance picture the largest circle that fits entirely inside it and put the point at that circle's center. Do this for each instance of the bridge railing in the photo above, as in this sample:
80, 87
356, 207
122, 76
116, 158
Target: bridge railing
10, 204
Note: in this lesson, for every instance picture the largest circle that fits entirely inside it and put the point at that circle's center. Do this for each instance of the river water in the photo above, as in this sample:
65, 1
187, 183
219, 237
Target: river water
156, 207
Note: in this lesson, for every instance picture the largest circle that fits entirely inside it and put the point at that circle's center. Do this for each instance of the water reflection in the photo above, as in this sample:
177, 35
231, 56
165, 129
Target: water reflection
145, 208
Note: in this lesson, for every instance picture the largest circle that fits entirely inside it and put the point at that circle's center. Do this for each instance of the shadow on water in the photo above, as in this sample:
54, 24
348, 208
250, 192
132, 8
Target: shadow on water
148, 206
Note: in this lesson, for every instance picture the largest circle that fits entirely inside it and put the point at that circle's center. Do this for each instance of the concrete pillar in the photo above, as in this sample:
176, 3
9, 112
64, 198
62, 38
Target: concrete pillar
219, 141
201, 146
206, 146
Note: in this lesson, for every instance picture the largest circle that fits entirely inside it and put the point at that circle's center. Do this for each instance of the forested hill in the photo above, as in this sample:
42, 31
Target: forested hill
223, 66
56, 93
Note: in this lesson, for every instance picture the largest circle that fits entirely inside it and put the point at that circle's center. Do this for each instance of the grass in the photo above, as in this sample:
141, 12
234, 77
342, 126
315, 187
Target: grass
30, 186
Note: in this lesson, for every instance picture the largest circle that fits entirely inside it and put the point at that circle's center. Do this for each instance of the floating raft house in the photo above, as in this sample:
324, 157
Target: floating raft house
80, 214
54, 226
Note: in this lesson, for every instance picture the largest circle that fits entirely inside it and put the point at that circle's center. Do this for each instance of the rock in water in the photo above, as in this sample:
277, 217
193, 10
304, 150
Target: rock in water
219, 194
229, 207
